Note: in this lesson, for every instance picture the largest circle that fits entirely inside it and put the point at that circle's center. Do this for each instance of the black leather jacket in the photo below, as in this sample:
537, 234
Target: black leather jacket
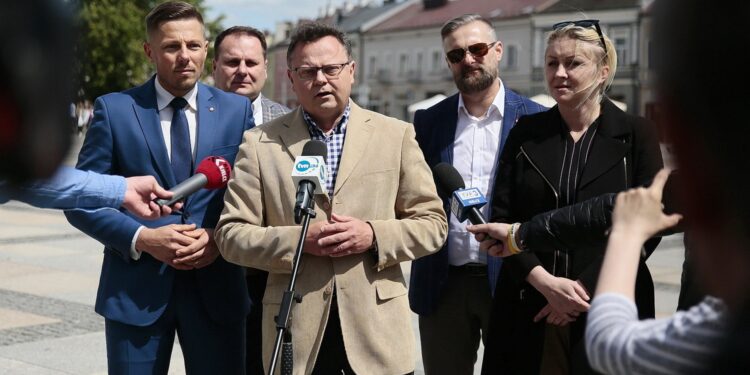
582, 224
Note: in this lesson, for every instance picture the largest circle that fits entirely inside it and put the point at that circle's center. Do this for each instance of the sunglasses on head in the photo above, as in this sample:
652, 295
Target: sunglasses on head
584, 24
455, 56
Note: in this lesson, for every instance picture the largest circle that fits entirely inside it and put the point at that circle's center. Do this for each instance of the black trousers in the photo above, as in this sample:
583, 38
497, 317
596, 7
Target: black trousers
332, 356
256, 288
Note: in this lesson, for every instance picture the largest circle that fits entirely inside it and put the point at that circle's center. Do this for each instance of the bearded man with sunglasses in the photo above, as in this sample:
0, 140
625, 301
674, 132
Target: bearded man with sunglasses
381, 209
451, 289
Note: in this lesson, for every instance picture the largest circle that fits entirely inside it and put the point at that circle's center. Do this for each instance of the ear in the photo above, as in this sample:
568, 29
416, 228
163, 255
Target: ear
205, 50
604, 73
147, 50
499, 48
289, 74
353, 67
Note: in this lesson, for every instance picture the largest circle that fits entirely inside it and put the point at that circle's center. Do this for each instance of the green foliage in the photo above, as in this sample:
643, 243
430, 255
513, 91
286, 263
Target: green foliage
110, 50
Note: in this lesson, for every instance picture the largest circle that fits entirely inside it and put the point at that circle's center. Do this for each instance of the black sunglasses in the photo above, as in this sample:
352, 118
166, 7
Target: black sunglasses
584, 24
455, 56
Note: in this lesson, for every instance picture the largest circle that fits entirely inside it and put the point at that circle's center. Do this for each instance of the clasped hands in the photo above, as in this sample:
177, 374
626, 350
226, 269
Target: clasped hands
182, 246
342, 236
566, 298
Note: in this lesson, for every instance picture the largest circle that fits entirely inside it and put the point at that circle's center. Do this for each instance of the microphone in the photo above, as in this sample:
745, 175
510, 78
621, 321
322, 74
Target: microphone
309, 173
213, 172
465, 203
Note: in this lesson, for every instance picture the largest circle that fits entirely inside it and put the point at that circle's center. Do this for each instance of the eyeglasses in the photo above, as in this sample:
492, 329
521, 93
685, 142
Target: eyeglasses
584, 24
331, 71
455, 56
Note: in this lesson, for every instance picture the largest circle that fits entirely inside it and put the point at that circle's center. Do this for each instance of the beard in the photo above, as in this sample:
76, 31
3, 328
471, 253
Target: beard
471, 84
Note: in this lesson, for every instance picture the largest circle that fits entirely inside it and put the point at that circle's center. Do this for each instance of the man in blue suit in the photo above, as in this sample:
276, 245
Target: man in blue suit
166, 276
451, 289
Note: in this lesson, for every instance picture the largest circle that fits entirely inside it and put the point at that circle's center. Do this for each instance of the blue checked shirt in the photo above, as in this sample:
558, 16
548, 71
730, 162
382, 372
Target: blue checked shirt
334, 144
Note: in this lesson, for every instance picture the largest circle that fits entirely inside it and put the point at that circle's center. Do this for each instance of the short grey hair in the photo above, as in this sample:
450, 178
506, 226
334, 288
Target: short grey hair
465, 19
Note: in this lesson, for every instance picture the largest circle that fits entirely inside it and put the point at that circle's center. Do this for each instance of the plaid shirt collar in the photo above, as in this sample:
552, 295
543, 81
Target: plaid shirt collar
317, 133
334, 144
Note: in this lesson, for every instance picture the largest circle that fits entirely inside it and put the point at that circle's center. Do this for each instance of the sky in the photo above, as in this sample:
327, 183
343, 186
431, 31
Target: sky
263, 14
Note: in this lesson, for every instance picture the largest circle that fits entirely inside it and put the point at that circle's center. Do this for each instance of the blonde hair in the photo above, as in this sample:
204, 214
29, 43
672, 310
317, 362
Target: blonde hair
590, 36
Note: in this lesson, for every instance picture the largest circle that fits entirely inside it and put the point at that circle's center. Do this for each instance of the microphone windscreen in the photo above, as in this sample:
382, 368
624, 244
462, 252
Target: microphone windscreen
315, 148
217, 171
447, 179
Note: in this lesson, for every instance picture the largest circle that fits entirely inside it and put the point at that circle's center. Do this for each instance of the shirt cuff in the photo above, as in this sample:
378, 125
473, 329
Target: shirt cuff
135, 254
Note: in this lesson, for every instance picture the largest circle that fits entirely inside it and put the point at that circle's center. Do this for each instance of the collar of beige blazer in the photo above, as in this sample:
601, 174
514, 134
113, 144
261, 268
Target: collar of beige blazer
358, 137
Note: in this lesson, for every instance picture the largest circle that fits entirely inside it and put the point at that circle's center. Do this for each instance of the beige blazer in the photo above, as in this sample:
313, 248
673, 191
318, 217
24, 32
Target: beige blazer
382, 179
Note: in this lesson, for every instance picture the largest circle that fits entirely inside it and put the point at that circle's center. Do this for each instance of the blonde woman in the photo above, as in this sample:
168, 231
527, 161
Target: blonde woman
581, 148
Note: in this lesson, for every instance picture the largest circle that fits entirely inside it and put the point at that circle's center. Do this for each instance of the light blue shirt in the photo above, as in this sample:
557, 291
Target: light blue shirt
69, 188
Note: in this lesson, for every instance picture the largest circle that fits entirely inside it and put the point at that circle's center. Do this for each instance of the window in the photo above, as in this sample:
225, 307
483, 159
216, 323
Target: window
621, 46
620, 37
510, 57
373, 66
403, 64
437, 60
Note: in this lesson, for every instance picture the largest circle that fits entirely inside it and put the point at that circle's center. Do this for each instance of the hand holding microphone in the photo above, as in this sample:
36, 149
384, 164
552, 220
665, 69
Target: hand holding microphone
213, 172
465, 204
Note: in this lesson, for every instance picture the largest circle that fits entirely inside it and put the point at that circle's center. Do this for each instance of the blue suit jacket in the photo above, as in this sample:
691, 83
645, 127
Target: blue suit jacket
125, 138
436, 129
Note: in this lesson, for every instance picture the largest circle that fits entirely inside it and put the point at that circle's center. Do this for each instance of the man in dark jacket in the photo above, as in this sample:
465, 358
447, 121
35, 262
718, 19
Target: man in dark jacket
451, 290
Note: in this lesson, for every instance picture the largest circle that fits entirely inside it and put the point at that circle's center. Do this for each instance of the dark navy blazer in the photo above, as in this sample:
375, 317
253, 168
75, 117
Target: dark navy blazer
436, 129
126, 139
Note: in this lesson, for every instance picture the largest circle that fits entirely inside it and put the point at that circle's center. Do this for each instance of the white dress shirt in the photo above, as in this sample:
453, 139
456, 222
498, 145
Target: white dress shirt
475, 154
257, 110
163, 98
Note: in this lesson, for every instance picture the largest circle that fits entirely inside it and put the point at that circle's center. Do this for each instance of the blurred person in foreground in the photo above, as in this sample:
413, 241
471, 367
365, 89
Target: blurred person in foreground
582, 148
616, 341
34, 133
381, 209
72, 188
240, 66
710, 138
451, 289
166, 277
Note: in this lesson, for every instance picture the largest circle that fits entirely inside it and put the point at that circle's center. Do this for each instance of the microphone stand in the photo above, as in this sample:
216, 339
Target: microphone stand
304, 210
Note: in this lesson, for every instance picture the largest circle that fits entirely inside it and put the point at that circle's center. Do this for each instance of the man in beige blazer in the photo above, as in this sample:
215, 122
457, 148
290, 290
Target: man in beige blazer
383, 209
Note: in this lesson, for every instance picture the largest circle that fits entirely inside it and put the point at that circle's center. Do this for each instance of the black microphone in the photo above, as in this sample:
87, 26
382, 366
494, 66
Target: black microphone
213, 172
465, 203
309, 173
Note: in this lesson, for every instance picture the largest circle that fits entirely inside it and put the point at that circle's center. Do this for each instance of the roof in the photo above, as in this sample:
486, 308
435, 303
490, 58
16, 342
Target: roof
415, 16
581, 6
354, 20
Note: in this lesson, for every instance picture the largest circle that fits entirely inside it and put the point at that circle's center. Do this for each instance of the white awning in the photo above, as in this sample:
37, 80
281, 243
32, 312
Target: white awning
424, 104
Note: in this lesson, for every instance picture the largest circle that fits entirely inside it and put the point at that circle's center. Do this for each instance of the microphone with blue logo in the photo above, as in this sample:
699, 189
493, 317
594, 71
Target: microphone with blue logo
465, 203
309, 174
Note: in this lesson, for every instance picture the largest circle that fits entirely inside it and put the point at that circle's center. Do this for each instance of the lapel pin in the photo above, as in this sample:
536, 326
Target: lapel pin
211, 109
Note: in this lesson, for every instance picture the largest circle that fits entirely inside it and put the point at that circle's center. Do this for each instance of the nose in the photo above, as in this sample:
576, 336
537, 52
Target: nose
320, 78
561, 71
182, 54
242, 68
468, 58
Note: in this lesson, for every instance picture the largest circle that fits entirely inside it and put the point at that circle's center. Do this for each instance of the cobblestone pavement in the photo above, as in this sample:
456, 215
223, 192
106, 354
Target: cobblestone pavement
71, 318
